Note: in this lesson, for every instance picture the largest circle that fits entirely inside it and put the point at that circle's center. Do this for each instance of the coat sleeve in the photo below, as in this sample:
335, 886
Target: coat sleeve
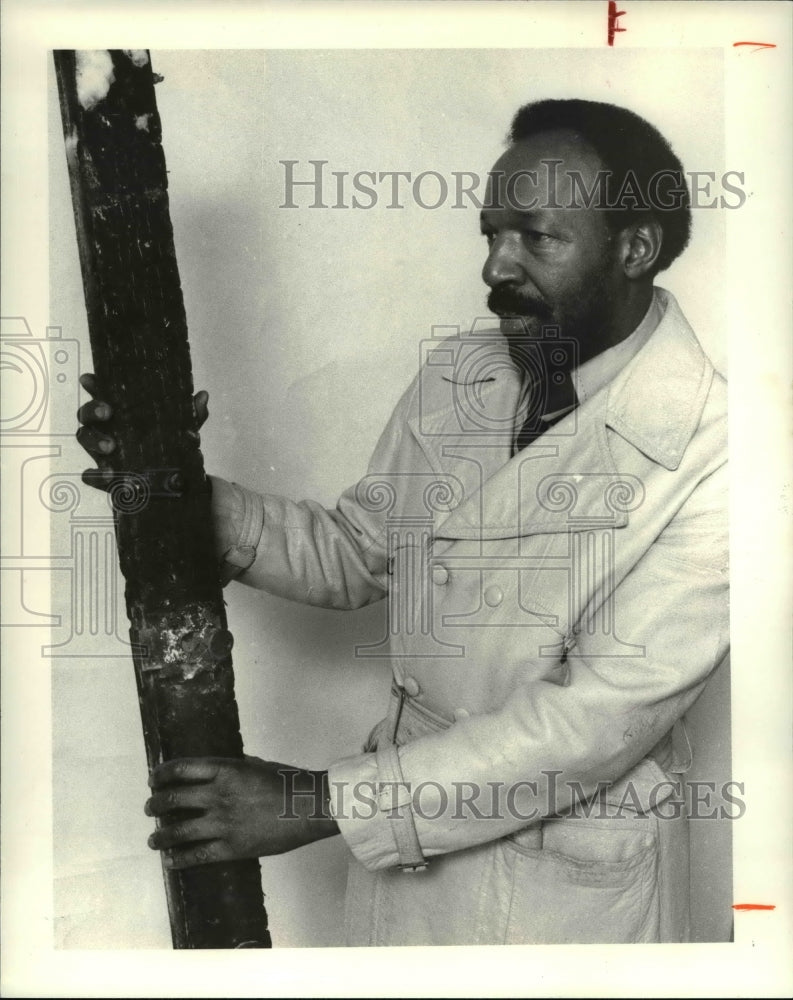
552, 744
303, 552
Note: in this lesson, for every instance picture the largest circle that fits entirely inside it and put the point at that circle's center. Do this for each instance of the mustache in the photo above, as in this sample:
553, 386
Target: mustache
505, 300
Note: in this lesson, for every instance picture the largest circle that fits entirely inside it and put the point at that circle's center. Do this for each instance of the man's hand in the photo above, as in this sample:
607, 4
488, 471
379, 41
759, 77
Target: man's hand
221, 809
93, 434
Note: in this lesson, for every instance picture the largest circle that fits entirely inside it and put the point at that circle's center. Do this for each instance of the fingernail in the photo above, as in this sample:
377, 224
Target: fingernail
102, 411
150, 841
105, 446
167, 861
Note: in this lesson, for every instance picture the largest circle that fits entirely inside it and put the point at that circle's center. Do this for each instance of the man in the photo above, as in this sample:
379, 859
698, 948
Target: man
546, 514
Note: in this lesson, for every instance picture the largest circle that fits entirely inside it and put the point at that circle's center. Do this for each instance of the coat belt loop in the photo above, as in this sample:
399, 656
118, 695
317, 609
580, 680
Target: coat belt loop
395, 799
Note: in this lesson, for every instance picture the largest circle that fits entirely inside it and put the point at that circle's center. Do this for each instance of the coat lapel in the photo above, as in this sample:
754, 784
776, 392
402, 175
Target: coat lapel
508, 496
565, 480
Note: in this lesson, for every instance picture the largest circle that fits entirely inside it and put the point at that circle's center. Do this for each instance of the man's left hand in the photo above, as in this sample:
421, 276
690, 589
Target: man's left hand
223, 809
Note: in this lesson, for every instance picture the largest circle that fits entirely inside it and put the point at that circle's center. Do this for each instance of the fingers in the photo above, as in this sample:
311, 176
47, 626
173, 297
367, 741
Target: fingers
99, 446
94, 411
95, 442
198, 854
178, 797
201, 407
88, 382
191, 842
184, 771
98, 410
91, 437
184, 833
99, 479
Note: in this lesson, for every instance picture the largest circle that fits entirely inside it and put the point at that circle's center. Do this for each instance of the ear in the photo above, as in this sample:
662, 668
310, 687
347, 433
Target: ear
640, 245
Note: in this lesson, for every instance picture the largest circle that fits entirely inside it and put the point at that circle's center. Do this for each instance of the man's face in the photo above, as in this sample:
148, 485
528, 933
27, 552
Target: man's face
550, 265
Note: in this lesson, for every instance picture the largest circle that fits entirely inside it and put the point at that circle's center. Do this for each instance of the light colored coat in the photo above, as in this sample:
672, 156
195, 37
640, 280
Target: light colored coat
552, 616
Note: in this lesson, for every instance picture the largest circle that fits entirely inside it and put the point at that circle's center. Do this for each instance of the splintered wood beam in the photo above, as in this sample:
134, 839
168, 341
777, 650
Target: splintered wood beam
161, 500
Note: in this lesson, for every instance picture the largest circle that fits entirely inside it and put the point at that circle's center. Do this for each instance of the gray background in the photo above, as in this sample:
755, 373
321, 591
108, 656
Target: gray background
305, 327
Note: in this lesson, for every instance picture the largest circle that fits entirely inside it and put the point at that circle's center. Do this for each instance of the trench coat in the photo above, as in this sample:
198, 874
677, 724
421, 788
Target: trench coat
551, 617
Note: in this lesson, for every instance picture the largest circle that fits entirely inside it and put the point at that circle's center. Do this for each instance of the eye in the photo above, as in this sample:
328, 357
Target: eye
537, 237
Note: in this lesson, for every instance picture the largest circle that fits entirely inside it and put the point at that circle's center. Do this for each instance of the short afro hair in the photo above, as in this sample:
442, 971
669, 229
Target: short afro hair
635, 155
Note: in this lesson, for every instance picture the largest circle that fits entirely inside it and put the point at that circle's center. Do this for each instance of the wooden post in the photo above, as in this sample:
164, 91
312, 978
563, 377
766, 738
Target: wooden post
161, 500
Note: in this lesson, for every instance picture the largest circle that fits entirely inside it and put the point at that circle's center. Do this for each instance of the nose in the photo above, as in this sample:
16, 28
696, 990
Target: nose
504, 261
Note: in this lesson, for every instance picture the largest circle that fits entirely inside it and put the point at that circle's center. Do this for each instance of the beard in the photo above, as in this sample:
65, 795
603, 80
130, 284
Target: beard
509, 303
525, 318
522, 321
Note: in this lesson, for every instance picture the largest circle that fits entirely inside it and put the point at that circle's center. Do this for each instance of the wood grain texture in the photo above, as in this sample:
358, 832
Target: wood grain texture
161, 500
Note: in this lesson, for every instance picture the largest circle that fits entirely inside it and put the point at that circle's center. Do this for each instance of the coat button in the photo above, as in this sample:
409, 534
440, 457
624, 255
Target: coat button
461, 713
411, 685
494, 596
440, 574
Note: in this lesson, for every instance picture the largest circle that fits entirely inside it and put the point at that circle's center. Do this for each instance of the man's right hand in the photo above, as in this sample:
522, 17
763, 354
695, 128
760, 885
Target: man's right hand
93, 435
228, 515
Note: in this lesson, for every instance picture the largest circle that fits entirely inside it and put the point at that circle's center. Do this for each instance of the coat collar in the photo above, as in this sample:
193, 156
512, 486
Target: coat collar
656, 402
566, 479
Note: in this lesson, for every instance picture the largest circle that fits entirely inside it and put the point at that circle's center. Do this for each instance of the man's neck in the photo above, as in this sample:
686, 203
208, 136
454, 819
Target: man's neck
592, 375
632, 311
557, 398
622, 320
